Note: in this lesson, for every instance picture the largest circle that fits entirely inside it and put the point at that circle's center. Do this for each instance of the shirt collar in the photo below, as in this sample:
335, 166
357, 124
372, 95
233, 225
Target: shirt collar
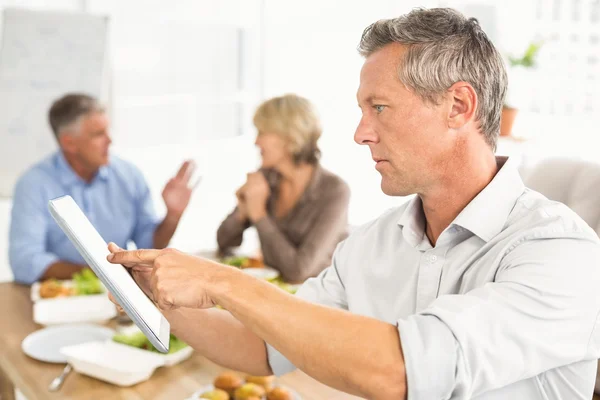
68, 177
412, 222
484, 216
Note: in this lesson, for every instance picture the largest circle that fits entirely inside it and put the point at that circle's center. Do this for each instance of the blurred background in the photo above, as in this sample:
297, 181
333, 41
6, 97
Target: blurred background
181, 79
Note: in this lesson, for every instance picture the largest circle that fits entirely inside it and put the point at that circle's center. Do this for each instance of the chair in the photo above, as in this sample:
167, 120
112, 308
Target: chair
573, 182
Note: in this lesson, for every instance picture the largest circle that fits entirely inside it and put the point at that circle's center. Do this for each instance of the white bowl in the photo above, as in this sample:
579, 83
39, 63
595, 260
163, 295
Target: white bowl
109, 362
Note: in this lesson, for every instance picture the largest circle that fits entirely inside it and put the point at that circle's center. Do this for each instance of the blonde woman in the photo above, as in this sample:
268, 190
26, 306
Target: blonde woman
298, 208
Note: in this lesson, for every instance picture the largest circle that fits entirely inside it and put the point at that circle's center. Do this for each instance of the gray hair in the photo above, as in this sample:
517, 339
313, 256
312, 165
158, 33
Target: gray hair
67, 111
444, 47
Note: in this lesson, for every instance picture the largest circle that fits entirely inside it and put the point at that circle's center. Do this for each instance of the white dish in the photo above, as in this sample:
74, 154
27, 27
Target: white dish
108, 361
167, 359
75, 309
206, 388
45, 344
262, 273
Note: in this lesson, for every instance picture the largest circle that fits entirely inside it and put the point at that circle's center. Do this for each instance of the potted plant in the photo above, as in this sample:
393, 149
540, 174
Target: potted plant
519, 70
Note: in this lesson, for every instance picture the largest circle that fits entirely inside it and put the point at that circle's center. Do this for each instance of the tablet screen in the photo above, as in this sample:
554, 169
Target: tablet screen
94, 250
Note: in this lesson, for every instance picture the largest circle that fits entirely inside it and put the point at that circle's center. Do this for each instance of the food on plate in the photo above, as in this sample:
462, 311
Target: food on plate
284, 285
248, 390
86, 283
216, 394
279, 393
229, 382
53, 288
139, 340
83, 283
243, 262
265, 381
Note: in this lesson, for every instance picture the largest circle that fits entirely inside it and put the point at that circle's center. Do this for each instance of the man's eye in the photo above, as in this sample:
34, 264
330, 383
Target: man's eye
378, 108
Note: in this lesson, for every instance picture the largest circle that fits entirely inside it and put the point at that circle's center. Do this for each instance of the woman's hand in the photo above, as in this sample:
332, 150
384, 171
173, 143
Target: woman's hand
174, 279
256, 194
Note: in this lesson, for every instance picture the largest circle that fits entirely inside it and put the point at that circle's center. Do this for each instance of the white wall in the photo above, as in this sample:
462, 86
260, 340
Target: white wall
222, 163
310, 49
308, 52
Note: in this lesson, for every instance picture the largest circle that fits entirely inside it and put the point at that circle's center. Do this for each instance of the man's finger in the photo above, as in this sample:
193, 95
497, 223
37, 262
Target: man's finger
133, 256
113, 248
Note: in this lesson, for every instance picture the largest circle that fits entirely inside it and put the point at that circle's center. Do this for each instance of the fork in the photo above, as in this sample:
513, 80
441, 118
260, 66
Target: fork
58, 381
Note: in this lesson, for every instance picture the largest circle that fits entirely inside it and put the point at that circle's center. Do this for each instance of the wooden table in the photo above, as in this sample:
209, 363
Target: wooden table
177, 382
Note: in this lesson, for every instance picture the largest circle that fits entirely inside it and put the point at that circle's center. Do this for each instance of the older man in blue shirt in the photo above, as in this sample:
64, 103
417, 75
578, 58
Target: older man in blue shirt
111, 192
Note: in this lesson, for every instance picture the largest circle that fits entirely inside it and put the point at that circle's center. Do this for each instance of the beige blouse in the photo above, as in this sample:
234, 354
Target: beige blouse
300, 244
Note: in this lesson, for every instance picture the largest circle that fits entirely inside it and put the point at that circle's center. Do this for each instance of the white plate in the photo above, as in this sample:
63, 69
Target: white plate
197, 393
110, 362
262, 273
45, 344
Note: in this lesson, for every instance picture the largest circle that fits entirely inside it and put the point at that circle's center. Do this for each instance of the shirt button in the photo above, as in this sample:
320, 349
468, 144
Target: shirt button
432, 258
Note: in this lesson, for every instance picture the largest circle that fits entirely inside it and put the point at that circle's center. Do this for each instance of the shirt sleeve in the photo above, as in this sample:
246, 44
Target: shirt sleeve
146, 220
231, 231
29, 221
326, 289
296, 264
539, 313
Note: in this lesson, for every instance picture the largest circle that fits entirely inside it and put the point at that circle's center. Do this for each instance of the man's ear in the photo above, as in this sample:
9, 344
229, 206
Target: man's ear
463, 104
67, 142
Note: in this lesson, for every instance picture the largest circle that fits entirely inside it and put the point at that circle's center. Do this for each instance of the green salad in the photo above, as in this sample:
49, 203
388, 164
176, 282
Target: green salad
283, 285
235, 261
139, 340
86, 283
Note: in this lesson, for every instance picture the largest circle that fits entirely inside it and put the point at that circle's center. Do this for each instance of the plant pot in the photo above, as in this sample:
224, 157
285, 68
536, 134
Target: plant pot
507, 120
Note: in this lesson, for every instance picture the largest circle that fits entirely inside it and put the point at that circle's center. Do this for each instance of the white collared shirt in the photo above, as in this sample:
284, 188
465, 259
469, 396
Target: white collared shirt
505, 306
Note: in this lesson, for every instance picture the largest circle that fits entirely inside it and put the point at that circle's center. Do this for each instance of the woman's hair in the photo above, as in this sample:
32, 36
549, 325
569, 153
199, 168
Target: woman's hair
294, 119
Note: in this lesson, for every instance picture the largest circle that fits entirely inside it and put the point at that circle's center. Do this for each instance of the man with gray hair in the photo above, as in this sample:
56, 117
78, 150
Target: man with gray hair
477, 287
111, 192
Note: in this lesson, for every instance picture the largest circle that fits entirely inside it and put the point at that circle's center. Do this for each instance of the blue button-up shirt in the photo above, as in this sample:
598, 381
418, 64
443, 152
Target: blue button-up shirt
117, 202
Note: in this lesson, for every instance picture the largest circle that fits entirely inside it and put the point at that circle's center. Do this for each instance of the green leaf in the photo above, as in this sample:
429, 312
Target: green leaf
86, 283
139, 340
529, 57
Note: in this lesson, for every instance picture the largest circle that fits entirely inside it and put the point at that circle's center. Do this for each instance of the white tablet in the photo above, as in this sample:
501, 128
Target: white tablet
94, 250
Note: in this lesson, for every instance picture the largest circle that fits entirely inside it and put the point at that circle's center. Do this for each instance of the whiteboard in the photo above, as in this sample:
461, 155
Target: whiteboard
44, 54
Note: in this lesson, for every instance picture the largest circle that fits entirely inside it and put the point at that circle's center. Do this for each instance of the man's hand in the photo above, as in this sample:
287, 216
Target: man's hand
177, 191
175, 279
142, 273
256, 194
